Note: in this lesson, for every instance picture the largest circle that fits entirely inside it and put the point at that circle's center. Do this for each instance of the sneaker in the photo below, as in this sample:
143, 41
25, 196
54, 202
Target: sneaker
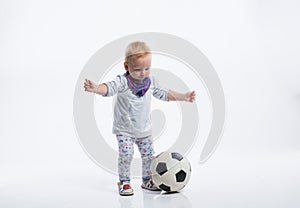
149, 185
125, 188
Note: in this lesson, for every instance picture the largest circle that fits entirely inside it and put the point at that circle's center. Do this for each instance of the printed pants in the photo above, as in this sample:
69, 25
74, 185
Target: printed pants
126, 151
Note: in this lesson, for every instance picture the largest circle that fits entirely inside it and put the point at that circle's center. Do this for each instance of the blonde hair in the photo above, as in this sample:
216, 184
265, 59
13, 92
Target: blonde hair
136, 50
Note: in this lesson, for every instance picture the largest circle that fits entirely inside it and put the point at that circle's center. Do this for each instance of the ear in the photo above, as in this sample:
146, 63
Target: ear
126, 65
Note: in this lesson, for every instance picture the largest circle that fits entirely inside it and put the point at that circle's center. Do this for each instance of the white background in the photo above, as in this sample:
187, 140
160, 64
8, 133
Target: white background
254, 47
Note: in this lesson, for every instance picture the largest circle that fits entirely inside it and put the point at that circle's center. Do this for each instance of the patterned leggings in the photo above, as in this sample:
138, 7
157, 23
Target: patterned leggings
126, 151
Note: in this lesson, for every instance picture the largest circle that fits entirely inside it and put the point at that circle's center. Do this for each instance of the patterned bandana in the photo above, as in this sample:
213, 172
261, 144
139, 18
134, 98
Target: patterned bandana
139, 88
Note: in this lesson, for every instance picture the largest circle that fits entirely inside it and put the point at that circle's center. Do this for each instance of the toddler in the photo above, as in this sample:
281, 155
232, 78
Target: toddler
132, 123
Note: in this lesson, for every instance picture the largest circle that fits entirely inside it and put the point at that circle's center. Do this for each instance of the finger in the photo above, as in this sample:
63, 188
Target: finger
88, 84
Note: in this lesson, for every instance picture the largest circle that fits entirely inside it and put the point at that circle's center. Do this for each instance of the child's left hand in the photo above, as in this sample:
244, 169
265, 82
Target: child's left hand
190, 96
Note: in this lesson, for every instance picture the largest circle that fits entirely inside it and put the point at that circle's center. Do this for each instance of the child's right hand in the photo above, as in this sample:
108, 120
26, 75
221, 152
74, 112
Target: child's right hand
90, 86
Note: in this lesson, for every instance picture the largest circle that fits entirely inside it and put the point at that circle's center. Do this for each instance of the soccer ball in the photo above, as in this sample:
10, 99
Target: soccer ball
170, 171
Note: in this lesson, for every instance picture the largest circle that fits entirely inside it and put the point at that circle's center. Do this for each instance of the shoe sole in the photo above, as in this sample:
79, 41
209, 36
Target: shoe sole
146, 188
126, 194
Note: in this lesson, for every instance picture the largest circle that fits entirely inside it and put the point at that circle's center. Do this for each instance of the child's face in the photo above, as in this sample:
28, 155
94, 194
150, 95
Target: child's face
139, 68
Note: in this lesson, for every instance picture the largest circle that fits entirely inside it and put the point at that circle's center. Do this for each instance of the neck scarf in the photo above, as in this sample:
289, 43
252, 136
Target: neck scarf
139, 88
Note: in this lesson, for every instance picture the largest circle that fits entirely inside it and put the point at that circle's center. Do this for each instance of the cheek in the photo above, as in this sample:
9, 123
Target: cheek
134, 73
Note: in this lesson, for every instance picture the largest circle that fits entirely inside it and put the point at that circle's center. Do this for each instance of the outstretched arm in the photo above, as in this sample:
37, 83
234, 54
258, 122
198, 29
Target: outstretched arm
90, 86
177, 96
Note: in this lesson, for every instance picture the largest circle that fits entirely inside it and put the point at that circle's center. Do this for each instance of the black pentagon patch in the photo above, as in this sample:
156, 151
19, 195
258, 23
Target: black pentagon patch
180, 176
164, 187
177, 156
161, 168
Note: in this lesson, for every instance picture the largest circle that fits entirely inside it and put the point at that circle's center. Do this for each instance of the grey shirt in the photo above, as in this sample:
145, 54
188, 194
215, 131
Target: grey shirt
132, 113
